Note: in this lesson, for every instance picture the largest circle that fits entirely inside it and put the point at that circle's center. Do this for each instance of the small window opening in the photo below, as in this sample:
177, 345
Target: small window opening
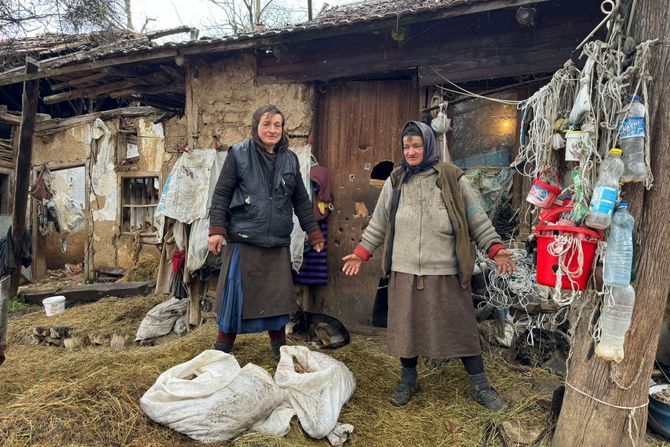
380, 172
128, 147
139, 201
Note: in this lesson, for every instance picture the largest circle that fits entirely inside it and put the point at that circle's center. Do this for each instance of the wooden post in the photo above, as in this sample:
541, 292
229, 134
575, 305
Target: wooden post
22, 173
309, 10
609, 420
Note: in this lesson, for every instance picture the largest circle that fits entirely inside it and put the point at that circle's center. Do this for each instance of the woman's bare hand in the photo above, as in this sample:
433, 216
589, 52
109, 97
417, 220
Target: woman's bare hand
352, 264
215, 243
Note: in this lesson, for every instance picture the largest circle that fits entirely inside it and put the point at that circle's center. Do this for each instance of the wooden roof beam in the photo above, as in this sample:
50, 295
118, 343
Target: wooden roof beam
77, 81
88, 92
172, 88
8, 78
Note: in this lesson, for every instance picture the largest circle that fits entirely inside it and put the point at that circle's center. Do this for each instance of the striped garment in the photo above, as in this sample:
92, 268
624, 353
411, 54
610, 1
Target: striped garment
314, 270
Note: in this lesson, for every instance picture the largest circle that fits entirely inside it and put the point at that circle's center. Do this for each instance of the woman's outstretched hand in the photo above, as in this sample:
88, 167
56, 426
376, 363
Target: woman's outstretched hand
504, 262
318, 247
352, 264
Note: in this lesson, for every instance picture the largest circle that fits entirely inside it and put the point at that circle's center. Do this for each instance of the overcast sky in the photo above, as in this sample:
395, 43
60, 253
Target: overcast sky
201, 13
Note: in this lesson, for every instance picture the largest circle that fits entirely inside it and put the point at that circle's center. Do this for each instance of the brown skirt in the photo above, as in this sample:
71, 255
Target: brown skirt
266, 281
438, 321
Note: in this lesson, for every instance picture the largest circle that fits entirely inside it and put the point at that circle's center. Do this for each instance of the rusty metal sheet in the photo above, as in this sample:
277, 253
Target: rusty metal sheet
359, 126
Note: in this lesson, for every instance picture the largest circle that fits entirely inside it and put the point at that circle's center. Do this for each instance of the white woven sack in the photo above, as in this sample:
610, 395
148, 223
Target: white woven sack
318, 386
211, 399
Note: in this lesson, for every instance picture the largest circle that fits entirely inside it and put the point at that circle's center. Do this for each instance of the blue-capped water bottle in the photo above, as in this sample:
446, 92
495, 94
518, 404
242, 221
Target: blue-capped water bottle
606, 192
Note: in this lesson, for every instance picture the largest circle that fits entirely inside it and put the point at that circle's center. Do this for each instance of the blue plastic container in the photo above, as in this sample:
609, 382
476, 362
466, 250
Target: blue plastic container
659, 412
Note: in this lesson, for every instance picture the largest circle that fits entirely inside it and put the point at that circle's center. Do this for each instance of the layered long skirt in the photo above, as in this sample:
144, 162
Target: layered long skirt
431, 316
255, 289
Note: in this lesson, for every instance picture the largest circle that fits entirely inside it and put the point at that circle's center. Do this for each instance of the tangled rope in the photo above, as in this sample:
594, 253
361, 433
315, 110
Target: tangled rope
543, 109
507, 289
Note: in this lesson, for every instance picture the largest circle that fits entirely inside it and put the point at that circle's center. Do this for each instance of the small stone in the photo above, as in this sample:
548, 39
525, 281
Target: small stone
73, 342
98, 340
516, 432
118, 341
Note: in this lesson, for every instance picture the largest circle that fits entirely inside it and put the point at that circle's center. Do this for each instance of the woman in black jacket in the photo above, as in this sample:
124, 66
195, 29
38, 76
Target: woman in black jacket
258, 191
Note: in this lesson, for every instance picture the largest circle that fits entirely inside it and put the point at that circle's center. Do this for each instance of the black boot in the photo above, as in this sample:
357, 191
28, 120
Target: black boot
485, 394
276, 344
225, 341
406, 387
225, 346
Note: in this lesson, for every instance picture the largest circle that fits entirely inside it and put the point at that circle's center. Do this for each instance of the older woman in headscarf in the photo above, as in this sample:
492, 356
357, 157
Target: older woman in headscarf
259, 189
426, 218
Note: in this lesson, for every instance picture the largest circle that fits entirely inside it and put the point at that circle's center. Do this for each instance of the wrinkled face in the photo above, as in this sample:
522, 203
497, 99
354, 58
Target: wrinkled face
270, 129
412, 149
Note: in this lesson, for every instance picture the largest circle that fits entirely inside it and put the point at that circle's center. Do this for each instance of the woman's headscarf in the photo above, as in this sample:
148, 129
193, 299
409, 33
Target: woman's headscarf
256, 118
430, 155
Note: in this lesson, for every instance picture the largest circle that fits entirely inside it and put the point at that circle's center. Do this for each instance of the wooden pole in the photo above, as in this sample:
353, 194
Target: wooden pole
597, 410
22, 173
309, 10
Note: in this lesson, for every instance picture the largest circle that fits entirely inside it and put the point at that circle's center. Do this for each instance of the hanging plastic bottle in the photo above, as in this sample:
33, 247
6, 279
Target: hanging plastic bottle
619, 255
606, 192
631, 142
614, 323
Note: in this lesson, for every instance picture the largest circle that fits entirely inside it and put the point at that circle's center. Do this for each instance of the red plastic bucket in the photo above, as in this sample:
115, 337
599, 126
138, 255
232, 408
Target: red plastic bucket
550, 216
547, 264
543, 194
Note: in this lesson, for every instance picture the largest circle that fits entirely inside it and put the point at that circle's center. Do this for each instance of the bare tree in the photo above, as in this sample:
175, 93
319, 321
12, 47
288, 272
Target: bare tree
244, 16
20, 18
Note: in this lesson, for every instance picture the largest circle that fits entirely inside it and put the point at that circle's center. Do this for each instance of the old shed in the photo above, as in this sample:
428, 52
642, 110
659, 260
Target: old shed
347, 81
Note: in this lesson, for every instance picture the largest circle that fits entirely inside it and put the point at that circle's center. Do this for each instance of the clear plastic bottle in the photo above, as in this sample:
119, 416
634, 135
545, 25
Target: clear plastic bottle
614, 323
619, 255
606, 191
631, 142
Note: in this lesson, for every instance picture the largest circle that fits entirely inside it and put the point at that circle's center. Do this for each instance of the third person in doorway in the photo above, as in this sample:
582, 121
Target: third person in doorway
426, 219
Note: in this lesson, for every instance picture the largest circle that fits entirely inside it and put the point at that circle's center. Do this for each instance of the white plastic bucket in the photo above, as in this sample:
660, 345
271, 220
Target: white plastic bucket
54, 305
572, 139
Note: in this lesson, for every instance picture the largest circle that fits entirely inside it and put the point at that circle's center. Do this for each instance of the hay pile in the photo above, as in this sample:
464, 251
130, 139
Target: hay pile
53, 396
146, 269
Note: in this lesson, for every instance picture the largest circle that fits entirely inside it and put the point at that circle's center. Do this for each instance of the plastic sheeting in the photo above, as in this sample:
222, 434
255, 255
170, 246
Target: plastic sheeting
493, 185
297, 235
187, 194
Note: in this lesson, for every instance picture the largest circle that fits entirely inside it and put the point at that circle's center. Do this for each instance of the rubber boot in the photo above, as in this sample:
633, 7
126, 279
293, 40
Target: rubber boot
485, 394
405, 388
276, 344
225, 342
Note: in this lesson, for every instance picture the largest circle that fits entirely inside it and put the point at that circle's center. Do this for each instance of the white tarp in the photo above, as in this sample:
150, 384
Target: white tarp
297, 235
198, 248
187, 193
103, 175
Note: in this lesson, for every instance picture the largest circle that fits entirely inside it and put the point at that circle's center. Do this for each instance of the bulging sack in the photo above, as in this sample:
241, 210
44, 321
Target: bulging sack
318, 386
211, 399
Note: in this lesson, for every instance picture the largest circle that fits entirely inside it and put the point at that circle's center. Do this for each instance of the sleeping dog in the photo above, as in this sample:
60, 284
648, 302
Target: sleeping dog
325, 331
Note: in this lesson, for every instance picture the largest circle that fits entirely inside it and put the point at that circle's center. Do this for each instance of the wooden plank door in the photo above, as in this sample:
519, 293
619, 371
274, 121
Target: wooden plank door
359, 126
